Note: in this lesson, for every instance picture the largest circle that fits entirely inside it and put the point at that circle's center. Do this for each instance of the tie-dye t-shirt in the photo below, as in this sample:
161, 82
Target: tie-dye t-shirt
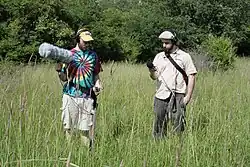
85, 66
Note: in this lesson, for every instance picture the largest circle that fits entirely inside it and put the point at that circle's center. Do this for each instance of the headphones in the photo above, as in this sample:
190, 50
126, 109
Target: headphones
174, 39
77, 37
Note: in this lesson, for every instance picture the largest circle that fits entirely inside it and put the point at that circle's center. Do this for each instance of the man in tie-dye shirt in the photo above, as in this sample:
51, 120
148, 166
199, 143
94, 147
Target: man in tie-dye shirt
82, 85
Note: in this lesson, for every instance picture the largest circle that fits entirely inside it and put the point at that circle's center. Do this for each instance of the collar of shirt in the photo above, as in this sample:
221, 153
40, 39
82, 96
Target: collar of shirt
173, 54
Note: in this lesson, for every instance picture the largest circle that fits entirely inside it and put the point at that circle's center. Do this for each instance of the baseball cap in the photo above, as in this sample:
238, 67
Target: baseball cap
86, 36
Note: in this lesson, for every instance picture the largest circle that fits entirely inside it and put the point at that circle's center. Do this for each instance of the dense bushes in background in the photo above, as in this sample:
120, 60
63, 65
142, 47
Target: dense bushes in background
123, 29
221, 52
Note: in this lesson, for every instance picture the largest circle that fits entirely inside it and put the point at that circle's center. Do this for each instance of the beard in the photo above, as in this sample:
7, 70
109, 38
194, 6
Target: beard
168, 50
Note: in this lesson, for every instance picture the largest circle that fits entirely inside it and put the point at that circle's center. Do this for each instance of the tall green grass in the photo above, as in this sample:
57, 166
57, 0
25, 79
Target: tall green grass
31, 134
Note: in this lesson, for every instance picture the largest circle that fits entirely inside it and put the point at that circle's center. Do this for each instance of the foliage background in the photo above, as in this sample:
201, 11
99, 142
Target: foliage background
123, 29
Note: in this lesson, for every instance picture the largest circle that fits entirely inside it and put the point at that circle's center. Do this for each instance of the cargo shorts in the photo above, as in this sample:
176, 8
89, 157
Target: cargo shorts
77, 113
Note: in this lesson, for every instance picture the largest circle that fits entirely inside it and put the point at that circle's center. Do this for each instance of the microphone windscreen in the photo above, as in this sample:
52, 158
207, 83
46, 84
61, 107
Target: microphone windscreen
54, 52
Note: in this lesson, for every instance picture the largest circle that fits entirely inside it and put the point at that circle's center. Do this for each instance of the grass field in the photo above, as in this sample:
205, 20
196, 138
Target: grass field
217, 133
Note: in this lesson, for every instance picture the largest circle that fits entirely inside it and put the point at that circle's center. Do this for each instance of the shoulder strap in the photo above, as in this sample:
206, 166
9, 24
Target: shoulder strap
178, 68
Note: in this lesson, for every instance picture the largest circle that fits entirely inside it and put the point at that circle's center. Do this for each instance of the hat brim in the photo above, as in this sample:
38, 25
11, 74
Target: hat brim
86, 38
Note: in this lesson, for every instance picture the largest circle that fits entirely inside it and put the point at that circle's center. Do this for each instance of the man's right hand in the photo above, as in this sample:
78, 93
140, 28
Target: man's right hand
97, 90
151, 66
152, 70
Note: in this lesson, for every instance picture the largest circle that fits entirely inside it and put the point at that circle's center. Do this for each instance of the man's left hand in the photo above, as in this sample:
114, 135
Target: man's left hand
97, 90
186, 100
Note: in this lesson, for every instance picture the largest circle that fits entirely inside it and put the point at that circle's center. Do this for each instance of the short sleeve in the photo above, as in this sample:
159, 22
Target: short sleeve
189, 65
159, 62
156, 61
98, 66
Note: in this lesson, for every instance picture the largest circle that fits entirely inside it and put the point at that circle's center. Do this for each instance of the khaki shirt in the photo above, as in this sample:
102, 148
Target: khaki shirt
168, 77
